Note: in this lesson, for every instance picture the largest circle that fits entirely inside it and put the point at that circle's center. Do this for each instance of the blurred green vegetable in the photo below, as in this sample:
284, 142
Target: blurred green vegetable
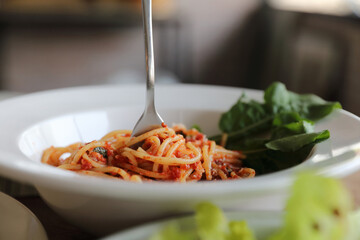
211, 224
319, 208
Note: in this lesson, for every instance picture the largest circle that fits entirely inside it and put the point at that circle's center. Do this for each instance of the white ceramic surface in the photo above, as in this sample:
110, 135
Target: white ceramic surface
17, 222
14, 188
7, 94
262, 224
59, 117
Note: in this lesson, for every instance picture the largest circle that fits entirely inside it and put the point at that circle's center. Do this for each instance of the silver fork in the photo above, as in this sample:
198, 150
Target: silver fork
150, 119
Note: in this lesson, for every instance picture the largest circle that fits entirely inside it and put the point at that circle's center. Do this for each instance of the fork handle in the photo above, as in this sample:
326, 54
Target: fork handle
149, 53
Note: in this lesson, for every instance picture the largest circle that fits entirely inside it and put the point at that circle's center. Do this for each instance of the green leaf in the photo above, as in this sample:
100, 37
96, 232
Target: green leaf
308, 106
268, 161
239, 230
241, 115
211, 222
317, 209
252, 129
317, 112
212, 225
101, 151
277, 97
249, 145
286, 118
283, 123
291, 129
295, 142
197, 127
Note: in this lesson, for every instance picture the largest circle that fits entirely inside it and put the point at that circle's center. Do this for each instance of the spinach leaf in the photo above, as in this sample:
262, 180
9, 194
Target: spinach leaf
277, 98
292, 128
253, 128
249, 117
277, 133
269, 161
319, 111
241, 115
249, 145
243, 119
295, 142
266, 155
308, 106
285, 118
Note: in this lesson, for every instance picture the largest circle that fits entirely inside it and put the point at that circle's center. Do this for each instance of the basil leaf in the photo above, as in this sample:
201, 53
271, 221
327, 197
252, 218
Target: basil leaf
101, 150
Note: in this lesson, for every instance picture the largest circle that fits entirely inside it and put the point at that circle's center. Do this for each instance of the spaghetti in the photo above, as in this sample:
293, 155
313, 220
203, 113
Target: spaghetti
174, 154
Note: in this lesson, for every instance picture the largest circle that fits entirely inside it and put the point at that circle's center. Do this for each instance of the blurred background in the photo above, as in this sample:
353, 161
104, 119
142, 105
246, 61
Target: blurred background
310, 45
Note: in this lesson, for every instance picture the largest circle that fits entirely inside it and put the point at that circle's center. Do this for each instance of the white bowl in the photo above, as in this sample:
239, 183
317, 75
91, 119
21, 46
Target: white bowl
34, 122
18, 222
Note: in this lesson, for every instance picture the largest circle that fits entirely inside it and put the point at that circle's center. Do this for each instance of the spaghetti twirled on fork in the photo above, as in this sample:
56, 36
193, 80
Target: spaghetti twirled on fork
173, 154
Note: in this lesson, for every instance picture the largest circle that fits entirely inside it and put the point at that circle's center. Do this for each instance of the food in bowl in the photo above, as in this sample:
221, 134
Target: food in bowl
284, 121
174, 154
